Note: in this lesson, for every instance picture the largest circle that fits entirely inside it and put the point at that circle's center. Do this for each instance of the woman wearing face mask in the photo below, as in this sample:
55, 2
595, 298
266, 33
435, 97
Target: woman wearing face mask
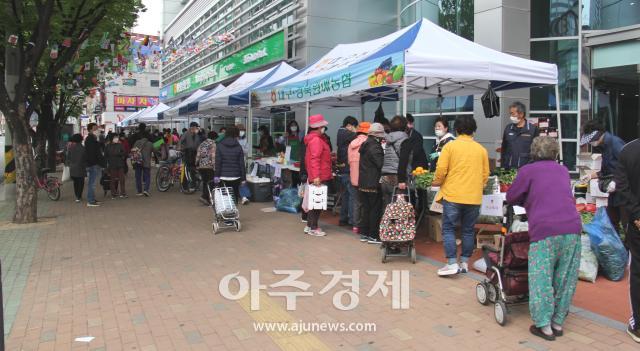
441, 127
294, 138
318, 166
243, 140
266, 146
369, 189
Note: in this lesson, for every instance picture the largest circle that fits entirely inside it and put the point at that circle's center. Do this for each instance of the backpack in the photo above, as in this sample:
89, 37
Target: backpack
136, 153
206, 160
398, 221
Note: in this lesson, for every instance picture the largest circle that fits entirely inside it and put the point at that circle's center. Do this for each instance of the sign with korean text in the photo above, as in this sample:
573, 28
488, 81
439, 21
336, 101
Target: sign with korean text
131, 103
261, 53
363, 75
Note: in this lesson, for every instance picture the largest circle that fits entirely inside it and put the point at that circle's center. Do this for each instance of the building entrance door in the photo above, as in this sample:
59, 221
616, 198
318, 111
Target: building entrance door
616, 100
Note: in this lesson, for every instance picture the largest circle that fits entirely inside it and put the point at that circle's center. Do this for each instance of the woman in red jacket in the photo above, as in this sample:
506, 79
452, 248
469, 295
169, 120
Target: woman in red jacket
317, 161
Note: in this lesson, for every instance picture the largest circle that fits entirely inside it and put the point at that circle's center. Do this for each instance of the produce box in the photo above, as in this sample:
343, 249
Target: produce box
485, 239
590, 161
435, 228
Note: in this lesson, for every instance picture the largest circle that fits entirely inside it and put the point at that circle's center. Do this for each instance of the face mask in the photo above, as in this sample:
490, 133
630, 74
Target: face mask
594, 144
514, 119
294, 128
440, 133
241, 133
115, 140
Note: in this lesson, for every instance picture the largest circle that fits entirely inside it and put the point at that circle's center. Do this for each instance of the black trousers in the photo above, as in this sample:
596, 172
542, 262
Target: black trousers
78, 186
313, 216
633, 242
207, 178
371, 213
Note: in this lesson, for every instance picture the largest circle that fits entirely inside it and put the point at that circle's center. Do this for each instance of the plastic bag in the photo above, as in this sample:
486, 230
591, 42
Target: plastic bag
289, 201
66, 174
607, 246
588, 261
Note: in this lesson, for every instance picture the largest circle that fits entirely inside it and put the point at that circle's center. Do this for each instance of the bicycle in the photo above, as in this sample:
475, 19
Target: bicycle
172, 172
49, 184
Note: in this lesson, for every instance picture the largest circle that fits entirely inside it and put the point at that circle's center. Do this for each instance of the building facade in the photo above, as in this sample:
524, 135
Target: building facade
594, 43
128, 94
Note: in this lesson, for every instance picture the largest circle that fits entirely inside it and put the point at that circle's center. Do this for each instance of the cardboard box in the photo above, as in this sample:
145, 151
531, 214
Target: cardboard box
594, 189
590, 161
484, 239
435, 228
586, 172
436, 206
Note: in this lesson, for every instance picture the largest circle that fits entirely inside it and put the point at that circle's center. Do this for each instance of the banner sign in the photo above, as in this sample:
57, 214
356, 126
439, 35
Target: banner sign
261, 53
360, 76
135, 101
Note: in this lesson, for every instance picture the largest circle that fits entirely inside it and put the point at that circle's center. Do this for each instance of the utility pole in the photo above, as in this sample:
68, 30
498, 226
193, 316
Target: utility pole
11, 79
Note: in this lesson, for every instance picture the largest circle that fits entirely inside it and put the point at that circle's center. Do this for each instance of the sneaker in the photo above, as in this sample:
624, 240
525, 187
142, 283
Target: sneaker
93, 204
114, 197
364, 238
374, 241
245, 201
634, 334
317, 232
355, 230
450, 269
146, 193
307, 229
464, 267
124, 196
139, 194
78, 200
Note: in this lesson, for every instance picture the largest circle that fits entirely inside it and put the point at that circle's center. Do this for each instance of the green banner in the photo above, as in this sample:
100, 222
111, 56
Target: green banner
261, 53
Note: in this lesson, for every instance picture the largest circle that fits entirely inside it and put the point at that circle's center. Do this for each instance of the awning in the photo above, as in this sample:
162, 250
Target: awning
194, 105
151, 115
433, 61
174, 111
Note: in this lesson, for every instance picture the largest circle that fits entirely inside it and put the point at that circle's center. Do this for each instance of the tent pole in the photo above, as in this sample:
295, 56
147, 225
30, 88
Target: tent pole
559, 122
362, 112
404, 96
249, 129
306, 120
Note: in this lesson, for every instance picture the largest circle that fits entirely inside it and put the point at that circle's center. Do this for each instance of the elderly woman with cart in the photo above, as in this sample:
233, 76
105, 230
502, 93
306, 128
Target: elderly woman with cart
543, 188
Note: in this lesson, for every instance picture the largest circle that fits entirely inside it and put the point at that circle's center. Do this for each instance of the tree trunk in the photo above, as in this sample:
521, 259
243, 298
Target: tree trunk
53, 142
26, 207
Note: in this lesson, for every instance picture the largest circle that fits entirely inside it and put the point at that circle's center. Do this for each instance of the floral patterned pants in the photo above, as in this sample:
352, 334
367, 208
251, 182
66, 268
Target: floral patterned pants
553, 275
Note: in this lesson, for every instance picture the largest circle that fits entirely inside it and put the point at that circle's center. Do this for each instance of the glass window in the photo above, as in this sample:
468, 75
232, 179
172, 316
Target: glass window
569, 123
155, 83
569, 151
563, 53
609, 14
554, 18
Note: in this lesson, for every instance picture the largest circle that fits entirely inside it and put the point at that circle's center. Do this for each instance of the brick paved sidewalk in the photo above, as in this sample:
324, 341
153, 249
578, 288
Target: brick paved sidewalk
143, 274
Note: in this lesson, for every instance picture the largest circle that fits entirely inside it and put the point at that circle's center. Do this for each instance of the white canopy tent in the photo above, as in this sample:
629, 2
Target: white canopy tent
151, 115
174, 111
129, 119
420, 61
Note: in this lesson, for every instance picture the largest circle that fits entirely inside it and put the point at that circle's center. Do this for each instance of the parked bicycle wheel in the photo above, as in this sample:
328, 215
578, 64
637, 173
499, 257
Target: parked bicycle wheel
163, 179
53, 189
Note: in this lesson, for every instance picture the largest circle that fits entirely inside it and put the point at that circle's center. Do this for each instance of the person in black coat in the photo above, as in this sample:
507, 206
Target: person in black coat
94, 161
517, 138
369, 192
230, 168
116, 161
627, 184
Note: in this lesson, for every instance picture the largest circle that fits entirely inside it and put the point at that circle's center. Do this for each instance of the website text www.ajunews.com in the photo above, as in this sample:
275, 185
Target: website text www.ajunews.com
300, 327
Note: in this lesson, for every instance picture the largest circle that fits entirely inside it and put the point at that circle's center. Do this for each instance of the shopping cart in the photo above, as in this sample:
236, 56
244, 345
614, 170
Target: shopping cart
225, 212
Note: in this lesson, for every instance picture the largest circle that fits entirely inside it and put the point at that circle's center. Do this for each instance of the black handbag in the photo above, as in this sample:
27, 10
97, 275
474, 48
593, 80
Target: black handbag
490, 103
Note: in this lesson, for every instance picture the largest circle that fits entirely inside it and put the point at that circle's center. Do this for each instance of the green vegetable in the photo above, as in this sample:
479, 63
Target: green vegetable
423, 181
506, 176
